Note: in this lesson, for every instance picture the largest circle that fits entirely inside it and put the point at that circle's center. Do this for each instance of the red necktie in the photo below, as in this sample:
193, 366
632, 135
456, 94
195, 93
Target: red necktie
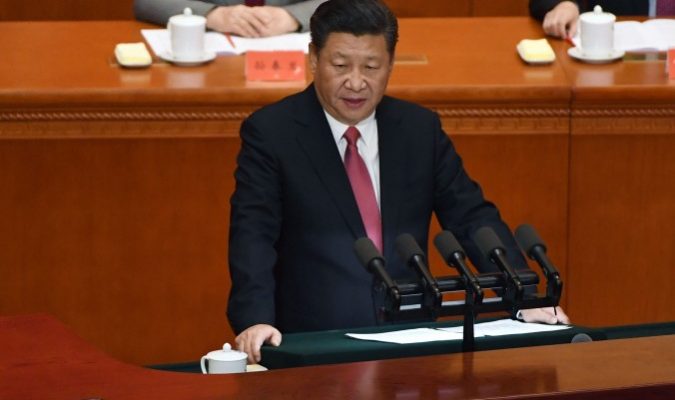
252, 3
665, 7
362, 188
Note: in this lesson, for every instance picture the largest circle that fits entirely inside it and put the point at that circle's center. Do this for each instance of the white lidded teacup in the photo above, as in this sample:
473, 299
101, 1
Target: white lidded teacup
596, 29
225, 361
186, 32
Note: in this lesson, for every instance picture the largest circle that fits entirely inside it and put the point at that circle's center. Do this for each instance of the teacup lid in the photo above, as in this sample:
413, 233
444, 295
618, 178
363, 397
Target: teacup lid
226, 354
187, 18
597, 16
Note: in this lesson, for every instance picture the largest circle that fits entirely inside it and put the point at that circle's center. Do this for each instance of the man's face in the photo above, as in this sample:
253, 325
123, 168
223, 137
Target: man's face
351, 74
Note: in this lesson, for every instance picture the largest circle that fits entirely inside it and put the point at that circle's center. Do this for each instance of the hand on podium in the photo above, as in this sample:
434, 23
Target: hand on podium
252, 338
545, 315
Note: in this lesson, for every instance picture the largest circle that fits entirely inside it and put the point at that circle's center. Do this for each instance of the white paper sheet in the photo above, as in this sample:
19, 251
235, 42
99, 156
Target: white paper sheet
507, 326
406, 336
289, 41
420, 335
159, 41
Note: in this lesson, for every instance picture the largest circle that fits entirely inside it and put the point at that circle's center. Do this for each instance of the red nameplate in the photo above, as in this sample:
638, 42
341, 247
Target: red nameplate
275, 66
670, 63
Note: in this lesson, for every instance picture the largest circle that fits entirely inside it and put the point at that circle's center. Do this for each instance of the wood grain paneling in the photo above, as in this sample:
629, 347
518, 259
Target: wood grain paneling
622, 197
484, 8
72, 10
34, 10
622, 231
131, 234
435, 8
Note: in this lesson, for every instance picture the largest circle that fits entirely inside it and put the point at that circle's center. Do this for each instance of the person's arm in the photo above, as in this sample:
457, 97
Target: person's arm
255, 225
159, 11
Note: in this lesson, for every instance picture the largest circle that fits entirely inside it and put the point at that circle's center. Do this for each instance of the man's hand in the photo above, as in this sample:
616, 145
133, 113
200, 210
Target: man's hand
250, 340
251, 21
276, 20
545, 315
562, 20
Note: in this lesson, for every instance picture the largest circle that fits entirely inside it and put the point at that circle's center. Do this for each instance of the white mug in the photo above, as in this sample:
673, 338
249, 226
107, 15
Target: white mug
225, 361
596, 30
186, 32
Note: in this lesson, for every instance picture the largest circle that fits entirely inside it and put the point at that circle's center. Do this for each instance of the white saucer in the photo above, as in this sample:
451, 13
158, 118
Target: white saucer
576, 53
206, 57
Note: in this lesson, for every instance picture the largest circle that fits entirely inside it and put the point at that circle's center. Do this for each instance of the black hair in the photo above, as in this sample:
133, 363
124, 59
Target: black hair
358, 17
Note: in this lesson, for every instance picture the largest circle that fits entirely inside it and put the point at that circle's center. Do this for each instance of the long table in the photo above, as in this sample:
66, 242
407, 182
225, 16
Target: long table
42, 359
115, 182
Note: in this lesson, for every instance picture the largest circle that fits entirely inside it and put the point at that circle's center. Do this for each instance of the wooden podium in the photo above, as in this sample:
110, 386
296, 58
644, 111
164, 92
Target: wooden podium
42, 359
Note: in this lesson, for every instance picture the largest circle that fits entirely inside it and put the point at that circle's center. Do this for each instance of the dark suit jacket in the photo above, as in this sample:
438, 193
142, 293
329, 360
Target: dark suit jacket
294, 219
539, 8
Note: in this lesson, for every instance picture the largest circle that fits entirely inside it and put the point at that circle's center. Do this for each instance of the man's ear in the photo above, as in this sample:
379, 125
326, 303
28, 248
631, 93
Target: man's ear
313, 57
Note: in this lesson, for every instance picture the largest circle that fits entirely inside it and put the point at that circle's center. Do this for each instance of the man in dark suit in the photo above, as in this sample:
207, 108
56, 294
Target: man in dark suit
560, 17
297, 209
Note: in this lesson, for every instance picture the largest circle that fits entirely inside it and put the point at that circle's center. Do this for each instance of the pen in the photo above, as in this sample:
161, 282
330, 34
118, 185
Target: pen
229, 39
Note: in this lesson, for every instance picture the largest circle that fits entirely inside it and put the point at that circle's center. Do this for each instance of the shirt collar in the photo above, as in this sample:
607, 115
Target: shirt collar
365, 127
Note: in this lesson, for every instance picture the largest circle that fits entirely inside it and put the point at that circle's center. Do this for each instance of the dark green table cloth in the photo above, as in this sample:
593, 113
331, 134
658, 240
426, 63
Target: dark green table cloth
330, 347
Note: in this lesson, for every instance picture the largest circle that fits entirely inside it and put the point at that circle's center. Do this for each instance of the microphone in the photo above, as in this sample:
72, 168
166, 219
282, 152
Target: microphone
413, 256
530, 242
492, 247
371, 258
454, 256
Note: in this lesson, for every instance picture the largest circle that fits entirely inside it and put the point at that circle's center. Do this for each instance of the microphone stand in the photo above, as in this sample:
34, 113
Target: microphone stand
410, 300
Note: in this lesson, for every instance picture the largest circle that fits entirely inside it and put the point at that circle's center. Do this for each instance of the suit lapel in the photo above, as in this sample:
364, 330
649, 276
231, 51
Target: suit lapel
316, 140
393, 163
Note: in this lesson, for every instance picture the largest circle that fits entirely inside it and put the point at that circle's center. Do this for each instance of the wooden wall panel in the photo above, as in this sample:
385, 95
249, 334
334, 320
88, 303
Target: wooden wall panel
622, 228
120, 10
436, 8
484, 8
39, 10
124, 240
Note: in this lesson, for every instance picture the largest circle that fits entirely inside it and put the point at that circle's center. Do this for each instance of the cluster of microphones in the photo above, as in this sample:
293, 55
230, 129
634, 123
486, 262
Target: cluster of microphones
423, 298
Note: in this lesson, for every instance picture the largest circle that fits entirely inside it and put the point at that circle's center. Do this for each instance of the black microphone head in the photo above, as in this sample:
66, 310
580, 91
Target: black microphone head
447, 244
580, 338
407, 247
487, 240
366, 252
527, 238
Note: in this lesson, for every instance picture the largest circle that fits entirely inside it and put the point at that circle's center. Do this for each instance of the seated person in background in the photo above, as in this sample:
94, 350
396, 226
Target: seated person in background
267, 18
334, 163
560, 16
